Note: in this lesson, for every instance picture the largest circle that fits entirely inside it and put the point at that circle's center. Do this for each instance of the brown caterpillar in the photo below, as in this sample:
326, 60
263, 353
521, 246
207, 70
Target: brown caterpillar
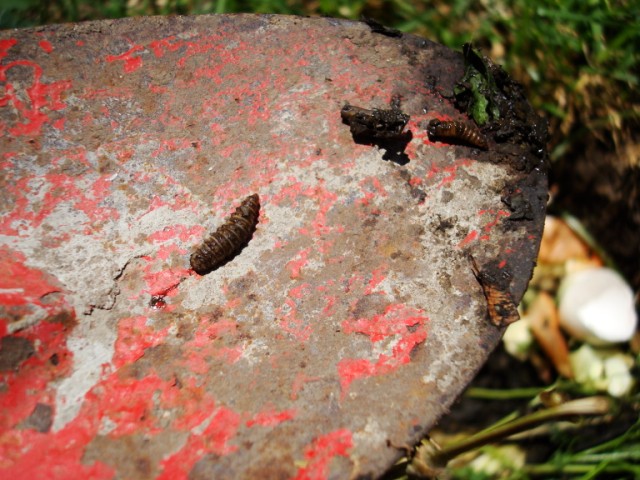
229, 239
457, 132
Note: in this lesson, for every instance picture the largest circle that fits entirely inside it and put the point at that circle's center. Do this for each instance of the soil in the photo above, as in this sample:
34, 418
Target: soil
601, 189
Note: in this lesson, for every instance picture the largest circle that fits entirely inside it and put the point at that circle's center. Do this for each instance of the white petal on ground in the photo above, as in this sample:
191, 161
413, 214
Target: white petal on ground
596, 305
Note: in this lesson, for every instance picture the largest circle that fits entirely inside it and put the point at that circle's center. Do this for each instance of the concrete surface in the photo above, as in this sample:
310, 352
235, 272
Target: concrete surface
346, 327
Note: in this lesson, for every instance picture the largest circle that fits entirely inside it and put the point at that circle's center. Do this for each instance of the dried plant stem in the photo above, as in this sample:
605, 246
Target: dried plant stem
430, 460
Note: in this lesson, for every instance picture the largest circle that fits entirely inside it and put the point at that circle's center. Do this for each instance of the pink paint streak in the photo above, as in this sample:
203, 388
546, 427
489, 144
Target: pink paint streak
164, 282
271, 418
128, 403
209, 343
181, 232
452, 171
5, 46
293, 325
496, 218
471, 236
406, 324
377, 276
30, 385
21, 285
295, 266
134, 337
55, 189
46, 46
192, 400
319, 454
299, 382
40, 98
131, 62
215, 439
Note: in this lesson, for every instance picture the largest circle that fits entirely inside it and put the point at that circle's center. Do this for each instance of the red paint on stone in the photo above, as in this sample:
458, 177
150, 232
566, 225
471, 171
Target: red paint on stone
90, 203
271, 418
471, 236
5, 45
131, 62
290, 322
295, 266
298, 384
41, 97
180, 202
330, 303
190, 398
496, 218
394, 321
163, 282
371, 188
326, 199
46, 46
377, 276
174, 144
215, 439
28, 454
415, 181
209, 329
21, 285
209, 342
319, 454
181, 232
56, 190
407, 324
452, 170
134, 337
125, 404
165, 251
30, 385
300, 291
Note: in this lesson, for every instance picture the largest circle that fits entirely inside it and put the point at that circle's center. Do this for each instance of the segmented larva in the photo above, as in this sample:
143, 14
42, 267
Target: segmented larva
457, 132
229, 239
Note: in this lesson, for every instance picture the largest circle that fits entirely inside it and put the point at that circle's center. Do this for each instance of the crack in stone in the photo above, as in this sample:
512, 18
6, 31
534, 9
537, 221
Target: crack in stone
112, 296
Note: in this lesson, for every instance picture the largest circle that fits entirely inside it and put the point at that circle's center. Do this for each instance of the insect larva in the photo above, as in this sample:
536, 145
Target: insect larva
457, 132
229, 239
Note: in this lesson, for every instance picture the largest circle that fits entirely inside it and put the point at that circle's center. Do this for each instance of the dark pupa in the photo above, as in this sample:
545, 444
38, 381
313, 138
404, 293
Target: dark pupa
456, 132
501, 308
229, 239
375, 123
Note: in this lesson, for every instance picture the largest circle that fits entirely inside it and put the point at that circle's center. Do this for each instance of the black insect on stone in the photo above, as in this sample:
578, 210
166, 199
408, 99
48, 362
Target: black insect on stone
376, 123
229, 239
456, 132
